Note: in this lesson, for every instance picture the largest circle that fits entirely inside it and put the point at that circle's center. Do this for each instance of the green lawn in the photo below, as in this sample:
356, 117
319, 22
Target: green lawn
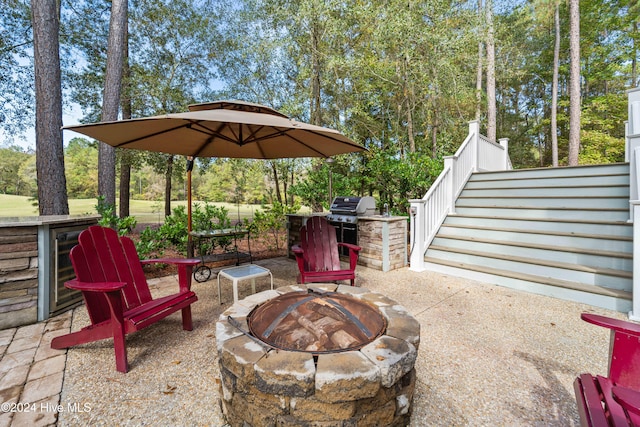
145, 211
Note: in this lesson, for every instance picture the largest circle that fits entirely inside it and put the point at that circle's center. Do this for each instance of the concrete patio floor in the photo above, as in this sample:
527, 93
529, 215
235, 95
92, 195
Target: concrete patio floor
488, 356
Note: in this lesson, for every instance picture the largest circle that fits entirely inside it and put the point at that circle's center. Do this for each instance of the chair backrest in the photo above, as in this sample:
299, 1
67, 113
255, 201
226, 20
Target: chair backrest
320, 245
103, 256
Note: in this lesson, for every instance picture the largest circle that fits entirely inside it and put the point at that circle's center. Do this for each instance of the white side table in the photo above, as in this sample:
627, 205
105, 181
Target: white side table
243, 272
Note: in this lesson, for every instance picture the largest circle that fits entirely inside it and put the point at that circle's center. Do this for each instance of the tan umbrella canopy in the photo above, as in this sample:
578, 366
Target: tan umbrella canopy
229, 129
236, 105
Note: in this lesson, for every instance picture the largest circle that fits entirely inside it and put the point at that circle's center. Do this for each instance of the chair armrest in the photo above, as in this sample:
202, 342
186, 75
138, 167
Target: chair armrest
185, 267
614, 324
173, 261
354, 251
350, 246
627, 398
299, 253
94, 287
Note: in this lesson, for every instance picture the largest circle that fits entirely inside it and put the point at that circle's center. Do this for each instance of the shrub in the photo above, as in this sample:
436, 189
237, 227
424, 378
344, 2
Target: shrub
173, 232
111, 220
270, 223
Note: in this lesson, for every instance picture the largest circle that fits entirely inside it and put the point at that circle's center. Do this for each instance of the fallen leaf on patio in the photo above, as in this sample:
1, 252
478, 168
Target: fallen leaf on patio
177, 362
381, 358
170, 389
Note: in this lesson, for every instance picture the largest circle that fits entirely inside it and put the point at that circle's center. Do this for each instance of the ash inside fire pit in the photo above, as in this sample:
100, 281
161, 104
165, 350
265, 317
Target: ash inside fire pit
316, 322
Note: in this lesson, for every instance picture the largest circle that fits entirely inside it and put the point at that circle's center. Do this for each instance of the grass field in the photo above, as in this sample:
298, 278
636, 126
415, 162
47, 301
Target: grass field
145, 211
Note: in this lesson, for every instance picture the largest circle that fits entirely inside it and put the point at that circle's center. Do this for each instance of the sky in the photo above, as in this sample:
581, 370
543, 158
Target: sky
71, 115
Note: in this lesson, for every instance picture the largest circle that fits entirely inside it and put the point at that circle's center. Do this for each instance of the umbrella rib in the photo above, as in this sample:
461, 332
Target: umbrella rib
310, 147
212, 134
239, 140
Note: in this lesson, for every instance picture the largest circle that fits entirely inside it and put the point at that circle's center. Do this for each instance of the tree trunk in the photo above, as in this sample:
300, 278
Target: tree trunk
412, 140
125, 157
316, 112
574, 83
491, 75
125, 182
111, 97
276, 181
554, 90
479, 67
434, 134
634, 56
292, 182
52, 184
167, 186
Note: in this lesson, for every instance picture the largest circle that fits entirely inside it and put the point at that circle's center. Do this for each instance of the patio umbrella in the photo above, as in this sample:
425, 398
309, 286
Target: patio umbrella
222, 129
231, 129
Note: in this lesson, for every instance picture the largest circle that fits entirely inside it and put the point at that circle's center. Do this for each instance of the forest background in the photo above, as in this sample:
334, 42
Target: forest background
399, 77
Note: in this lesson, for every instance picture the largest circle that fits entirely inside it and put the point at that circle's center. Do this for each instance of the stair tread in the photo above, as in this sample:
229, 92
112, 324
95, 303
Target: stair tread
477, 176
559, 208
577, 221
546, 187
539, 246
540, 197
535, 261
543, 232
601, 290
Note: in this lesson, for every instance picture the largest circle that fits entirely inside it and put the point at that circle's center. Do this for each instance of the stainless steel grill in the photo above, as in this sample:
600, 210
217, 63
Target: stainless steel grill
348, 209
344, 217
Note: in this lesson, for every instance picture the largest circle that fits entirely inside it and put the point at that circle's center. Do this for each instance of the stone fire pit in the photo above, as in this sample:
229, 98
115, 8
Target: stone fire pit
367, 384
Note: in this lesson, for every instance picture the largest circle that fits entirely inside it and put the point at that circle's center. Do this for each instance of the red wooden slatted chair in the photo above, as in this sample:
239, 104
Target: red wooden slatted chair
317, 255
110, 276
613, 400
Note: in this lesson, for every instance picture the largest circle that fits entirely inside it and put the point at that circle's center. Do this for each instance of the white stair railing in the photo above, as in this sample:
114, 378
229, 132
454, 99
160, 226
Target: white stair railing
632, 155
477, 153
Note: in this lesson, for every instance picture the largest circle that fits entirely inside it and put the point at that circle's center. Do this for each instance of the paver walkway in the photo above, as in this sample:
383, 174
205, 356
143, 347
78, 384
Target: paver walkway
31, 373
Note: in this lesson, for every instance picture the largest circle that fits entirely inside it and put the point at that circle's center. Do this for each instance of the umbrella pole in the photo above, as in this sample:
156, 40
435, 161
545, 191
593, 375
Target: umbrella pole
189, 225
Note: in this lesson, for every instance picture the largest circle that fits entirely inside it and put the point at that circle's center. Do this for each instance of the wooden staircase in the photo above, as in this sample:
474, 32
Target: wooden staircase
561, 232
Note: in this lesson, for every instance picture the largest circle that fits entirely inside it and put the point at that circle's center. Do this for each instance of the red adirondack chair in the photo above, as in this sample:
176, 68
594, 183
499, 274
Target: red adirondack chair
613, 400
110, 276
317, 255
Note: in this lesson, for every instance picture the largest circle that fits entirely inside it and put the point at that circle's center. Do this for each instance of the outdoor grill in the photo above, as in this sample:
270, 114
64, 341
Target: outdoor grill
344, 217
348, 209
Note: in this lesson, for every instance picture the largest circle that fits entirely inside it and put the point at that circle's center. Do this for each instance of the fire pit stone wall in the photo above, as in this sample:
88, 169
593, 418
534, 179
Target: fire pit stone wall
374, 385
